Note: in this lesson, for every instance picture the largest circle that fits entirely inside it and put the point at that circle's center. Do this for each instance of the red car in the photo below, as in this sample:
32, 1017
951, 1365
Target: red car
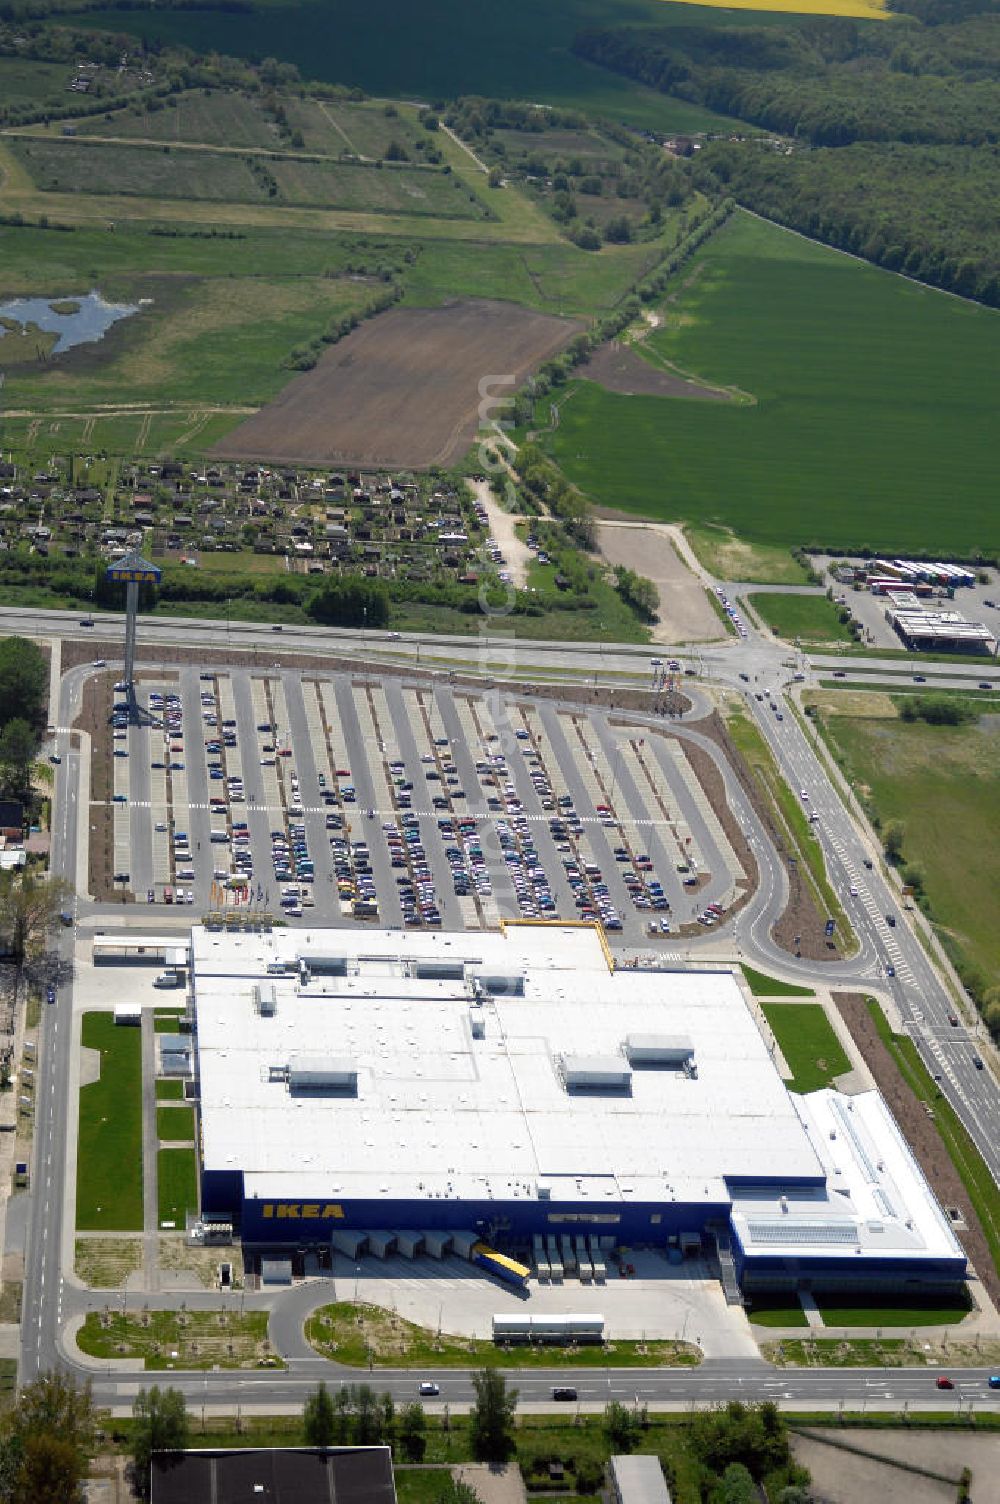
943, 1382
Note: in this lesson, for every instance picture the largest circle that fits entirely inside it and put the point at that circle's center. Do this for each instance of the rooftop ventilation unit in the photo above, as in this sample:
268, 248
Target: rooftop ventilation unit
318, 1073
501, 983
443, 971
265, 999
650, 1050
323, 964
596, 1073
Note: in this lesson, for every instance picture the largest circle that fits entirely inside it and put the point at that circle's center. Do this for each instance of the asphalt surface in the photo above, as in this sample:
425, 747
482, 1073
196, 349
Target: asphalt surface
924, 1002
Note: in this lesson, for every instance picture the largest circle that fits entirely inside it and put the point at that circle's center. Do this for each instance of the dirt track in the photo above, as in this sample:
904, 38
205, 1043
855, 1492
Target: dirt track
618, 368
403, 390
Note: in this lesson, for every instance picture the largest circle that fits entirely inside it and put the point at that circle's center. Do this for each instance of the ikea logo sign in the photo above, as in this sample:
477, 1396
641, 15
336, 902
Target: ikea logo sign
301, 1211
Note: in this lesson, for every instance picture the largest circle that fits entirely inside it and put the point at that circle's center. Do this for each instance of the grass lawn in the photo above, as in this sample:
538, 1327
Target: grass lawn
176, 1181
387, 1340
175, 1124
167, 1020
806, 1039
730, 558
852, 438
762, 985
109, 1157
169, 1090
181, 1339
774, 1310
943, 782
837, 1312
811, 618
790, 817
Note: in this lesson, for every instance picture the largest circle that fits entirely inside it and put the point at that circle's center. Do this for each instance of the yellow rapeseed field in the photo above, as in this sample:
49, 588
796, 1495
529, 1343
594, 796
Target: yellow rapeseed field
872, 10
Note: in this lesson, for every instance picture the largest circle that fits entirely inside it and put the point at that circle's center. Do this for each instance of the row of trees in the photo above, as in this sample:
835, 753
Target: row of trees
24, 685
50, 1436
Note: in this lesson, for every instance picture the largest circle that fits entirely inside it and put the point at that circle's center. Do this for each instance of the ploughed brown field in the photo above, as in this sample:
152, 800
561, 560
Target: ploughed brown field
618, 368
403, 390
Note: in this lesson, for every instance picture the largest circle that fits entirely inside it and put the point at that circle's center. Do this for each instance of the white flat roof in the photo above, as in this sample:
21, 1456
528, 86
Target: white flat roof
441, 1113
876, 1200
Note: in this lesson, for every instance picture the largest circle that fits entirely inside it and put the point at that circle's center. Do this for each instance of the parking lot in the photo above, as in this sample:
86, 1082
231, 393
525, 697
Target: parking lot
340, 799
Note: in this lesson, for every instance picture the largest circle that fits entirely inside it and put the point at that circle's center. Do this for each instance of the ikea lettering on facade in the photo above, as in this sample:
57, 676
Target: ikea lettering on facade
301, 1211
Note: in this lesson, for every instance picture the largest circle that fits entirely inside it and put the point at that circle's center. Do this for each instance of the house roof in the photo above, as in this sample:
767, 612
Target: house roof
274, 1475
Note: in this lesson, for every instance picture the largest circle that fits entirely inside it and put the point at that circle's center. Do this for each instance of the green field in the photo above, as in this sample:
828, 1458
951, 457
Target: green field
762, 985
176, 1181
853, 437
806, 1039
809, 618
943, 783
109, 1157
23, 81
519, 50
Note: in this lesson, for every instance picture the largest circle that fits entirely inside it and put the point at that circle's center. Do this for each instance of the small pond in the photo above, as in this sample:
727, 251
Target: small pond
76, 321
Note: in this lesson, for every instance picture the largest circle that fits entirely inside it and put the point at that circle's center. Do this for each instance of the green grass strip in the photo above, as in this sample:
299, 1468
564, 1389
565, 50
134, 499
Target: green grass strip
806, 1039
169, 1090
762, 985
789, 814
109, 1157
176, 1184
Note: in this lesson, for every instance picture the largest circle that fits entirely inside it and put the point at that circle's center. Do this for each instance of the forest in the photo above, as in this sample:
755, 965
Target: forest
882, 140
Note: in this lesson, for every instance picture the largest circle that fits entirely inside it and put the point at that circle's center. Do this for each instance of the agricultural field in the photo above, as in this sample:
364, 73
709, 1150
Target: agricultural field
943, 783
189, 173
219, 118
518, 51
24, 81
401, 391
850, 437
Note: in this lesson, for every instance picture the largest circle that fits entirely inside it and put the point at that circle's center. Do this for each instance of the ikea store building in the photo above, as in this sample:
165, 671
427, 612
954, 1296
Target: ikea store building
360, 1087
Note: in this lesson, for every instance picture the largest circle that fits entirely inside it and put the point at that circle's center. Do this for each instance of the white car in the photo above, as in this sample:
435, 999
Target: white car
854, 891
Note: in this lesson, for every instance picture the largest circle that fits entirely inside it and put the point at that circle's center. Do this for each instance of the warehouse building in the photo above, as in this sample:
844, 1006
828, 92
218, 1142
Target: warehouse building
939, 631
394, 1092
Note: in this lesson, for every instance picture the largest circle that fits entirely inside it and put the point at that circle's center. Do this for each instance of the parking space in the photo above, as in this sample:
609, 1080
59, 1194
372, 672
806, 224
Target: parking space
333, 800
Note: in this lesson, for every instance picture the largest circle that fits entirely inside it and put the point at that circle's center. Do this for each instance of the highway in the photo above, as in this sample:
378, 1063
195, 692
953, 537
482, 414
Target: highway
923, 1000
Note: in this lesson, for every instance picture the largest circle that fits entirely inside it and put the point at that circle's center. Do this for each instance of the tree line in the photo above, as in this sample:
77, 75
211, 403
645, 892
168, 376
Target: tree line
827, 80
891, 135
